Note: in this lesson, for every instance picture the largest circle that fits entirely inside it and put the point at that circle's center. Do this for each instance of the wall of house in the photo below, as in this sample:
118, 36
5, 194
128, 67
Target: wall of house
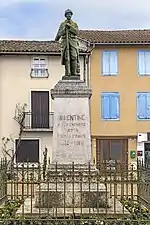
127, 83
15, 87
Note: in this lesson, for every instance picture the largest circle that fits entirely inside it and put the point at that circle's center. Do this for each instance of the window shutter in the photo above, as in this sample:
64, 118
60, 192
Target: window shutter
105, 63
147, 62
141, 63
113, 63
36, 63
105, 107
42, 63
148, 106
141, 105
114, 106
40, 109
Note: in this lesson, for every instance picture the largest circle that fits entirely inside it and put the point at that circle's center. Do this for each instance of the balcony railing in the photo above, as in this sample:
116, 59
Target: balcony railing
38, 122
39, 72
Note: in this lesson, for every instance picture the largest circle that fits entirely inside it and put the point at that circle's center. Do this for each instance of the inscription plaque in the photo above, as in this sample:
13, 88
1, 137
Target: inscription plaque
72, 142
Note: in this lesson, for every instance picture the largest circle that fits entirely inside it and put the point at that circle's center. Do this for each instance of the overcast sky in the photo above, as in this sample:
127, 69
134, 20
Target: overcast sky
39, 19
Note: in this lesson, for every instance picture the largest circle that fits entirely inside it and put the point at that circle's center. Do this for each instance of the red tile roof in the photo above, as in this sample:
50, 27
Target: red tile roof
13, 46
29, 46
117, 36
92, 36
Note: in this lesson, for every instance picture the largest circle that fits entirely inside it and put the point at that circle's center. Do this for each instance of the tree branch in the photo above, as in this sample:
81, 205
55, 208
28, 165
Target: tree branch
19, 117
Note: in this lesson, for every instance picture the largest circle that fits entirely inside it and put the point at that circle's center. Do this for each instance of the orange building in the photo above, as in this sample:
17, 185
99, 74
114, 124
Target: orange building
120, 103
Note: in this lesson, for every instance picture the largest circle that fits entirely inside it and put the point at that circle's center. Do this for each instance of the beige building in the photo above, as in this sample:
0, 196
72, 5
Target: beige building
28, 71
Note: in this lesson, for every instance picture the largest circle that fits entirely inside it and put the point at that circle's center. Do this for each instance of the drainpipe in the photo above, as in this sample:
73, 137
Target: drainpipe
84, 68
88, 62
88, 68
87, 57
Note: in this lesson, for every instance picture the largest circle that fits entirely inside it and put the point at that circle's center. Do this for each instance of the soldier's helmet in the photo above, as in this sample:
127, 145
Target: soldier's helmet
68, 11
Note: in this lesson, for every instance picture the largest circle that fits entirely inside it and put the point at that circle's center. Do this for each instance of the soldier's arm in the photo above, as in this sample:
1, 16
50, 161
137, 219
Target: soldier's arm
74, 29
61, 32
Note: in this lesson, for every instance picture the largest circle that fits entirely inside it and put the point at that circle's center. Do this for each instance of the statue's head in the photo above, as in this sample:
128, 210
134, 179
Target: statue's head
68, 14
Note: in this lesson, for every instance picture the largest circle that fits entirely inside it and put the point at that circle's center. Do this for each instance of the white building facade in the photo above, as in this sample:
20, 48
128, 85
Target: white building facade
28, 71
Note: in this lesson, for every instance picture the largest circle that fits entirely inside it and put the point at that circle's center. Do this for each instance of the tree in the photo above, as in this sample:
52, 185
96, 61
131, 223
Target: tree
10, 153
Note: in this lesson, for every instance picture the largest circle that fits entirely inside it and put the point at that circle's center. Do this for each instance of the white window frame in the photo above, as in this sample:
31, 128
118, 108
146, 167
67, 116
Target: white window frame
35, 69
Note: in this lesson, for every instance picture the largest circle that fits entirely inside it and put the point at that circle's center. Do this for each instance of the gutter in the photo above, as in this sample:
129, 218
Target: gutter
37, 53
120, 43
29, 53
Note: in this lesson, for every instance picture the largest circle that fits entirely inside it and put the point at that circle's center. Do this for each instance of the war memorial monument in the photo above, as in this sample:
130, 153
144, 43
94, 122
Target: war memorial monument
71, 183
71, 133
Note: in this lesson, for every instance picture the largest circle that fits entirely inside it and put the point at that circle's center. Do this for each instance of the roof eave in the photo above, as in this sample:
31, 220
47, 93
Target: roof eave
120, 43
37, 53
29, 53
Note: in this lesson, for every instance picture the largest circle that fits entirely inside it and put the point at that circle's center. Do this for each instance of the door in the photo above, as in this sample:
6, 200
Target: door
40, 109
111, 152
147, 153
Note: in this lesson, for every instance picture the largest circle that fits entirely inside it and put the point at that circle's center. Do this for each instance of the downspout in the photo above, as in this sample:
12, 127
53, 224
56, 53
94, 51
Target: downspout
88, 62
88, 84
88, 69
84, 68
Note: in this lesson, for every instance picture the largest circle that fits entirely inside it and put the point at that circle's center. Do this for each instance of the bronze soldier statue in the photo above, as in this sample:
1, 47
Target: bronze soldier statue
68, 32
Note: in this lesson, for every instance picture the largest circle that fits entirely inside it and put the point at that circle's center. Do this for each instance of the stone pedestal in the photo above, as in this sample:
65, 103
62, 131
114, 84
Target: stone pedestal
72, 186
71, 133
72, 181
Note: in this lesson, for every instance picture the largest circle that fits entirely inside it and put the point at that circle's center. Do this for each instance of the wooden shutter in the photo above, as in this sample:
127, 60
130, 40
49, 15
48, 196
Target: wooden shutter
141, 63
147, 62
109, 63
113, 60
105, 106
40, 109
141, 105
114, 106
110, 106
105, 63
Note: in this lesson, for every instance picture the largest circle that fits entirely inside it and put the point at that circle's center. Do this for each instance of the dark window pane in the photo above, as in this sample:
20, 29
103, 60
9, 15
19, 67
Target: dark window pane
28, 151
105, 146
116, 150
148, 136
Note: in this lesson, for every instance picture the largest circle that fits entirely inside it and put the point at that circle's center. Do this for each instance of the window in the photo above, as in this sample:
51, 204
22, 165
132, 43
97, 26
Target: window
109, 63
28, 151
112, 149
143, 105
40, 109
144, 63
110, 106
39, 68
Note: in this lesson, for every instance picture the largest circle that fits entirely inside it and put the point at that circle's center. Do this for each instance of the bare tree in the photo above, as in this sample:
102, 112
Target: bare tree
10, 153
19, 117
